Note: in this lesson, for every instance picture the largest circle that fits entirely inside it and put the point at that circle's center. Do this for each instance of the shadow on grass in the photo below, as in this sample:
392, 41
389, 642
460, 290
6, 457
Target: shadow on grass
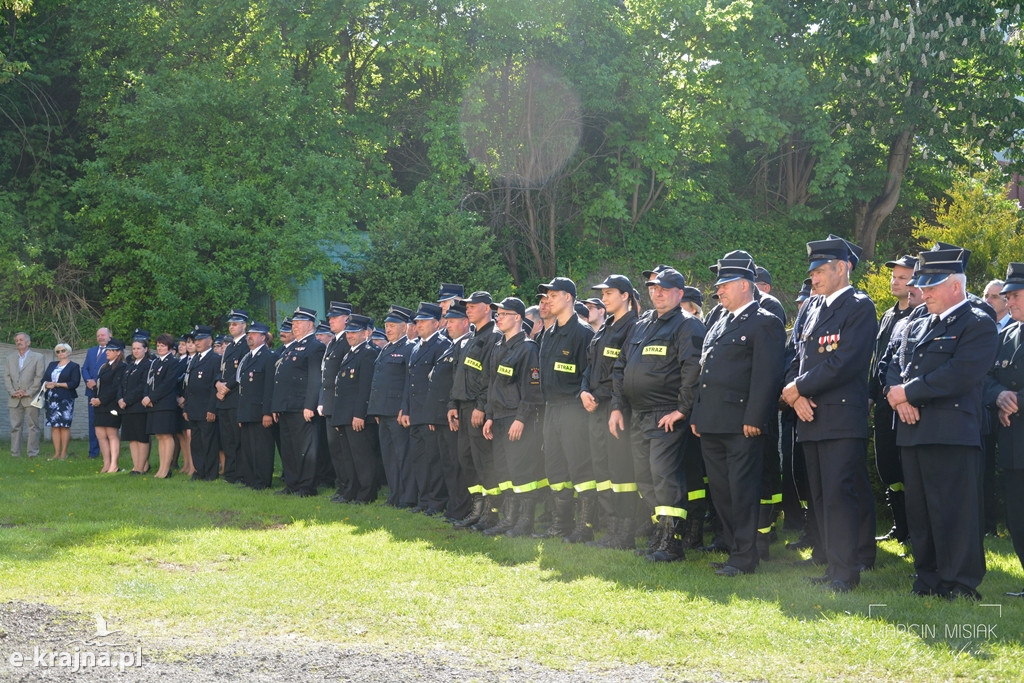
55, 506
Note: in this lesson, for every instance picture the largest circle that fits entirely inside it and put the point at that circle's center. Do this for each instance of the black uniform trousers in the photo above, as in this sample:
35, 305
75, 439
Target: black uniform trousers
425, 465
299, 444
887, 453
344, 469
566, 446
231, 444
474, 452
1014, 481
658, 461
455, 482
257, 454
734, 464
325, 474
205, 449
613, 462
943, 494
523, 458
394, 444
361, 449
771, 478
794, 474
837, 480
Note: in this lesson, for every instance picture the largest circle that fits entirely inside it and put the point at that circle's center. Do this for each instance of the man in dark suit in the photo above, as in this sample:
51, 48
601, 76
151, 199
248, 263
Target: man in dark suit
1003, 387
424, 450
736, 401
226, 395
199, 406
349, 419
256, 450
95, 357
827, 386
389, 375
297, 382
935, 386
337, 347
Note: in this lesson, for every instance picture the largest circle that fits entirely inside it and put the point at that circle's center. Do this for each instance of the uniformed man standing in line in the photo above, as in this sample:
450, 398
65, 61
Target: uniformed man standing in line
1003, 387
255, 386
887, 453
466, 413
827, 387
447, 293
199, 405
441, 381
737, 399
226, 394
349, 409
612, 458
424, 451
567, 463
513, 398
296, 395
389, 375
337, 346
935, 386
656, 374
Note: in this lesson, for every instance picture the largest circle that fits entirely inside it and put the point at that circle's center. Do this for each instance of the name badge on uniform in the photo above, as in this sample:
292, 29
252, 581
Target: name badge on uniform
505, 370
473, 363
565, 367
654, 350
609, 352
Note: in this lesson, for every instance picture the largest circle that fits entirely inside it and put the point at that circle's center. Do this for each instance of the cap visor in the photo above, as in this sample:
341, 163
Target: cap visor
728, 278
931, 279
818, 263
1011, 287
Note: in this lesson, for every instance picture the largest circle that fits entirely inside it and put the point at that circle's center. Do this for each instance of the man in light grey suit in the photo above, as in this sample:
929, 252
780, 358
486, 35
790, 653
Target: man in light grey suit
23, 375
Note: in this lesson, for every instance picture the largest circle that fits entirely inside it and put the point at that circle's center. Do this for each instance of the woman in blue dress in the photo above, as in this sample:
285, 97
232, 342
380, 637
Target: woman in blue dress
62, 377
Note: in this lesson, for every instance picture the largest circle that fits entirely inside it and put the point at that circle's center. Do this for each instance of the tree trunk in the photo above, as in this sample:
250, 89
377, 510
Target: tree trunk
869, 216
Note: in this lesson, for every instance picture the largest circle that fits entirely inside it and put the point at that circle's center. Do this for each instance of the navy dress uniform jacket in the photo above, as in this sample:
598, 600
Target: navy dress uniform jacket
389, 374
831, 366
417, 386
203, 373
255, 392
333, 354
1007, 374
742, 366
940, 368
441, 379
297, 377
162, 383
352, 385
231, 355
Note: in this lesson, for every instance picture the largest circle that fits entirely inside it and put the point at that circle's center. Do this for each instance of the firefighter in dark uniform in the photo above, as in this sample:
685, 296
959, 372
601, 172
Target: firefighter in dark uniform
199, 405
441, 380
736, 402
1003, 388
513, 399
389, 374
332, 448
612, 458
827, 386
226, 395
466, 410
567, 464
887, 453
656, 374
448, 293
424, 451
254, 417
349, 417
296, 395
935, 386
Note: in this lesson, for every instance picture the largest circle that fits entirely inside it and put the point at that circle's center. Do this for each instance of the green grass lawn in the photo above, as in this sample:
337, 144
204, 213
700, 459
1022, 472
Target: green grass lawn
220, 564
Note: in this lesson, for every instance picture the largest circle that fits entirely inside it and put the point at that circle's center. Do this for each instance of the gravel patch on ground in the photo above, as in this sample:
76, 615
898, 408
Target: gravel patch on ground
42, 643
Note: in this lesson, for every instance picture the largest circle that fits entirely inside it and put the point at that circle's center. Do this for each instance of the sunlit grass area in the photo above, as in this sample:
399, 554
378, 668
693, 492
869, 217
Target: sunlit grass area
219, 563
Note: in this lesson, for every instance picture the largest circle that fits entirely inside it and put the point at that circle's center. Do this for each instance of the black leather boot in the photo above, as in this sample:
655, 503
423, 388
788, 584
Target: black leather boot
561, 522
524, 515
654, 538
475, 513
509, 508
490, 514
584, 529
670, 547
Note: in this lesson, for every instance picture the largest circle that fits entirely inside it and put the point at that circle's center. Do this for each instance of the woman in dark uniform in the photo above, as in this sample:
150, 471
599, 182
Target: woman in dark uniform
184, 434
133, 413
104, 403
161, 401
